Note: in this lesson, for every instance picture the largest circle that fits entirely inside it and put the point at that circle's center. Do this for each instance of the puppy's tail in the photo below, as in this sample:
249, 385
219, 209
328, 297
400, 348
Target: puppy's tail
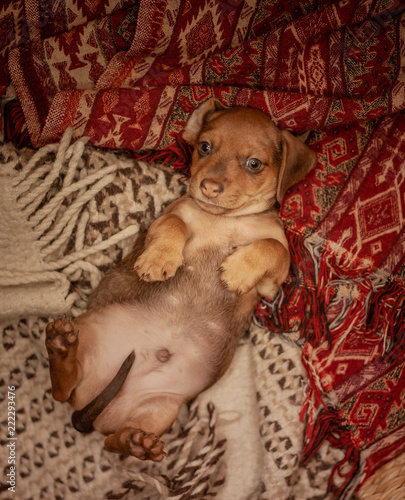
83, 419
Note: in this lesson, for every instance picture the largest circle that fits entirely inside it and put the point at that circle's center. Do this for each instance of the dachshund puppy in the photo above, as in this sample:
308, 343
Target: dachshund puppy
163, 325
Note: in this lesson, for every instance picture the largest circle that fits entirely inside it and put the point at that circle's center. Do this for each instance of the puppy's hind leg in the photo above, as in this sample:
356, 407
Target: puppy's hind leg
141, 436
62, 343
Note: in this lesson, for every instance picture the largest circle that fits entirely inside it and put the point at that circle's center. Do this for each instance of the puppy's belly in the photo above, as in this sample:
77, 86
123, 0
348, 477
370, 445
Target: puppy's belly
183, 332
165, 356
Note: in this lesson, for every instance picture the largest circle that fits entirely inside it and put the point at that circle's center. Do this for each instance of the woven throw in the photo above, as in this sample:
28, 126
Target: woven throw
127, 74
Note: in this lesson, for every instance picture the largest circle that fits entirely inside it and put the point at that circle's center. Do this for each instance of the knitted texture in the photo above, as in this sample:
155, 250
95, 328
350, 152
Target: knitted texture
240, 439
46, 204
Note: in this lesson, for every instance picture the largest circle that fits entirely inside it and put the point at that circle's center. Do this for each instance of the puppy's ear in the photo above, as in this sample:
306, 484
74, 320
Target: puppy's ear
297, 160
199, 117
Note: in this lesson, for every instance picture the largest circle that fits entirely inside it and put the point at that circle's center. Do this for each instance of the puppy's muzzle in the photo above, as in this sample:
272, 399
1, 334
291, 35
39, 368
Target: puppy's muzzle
211, 188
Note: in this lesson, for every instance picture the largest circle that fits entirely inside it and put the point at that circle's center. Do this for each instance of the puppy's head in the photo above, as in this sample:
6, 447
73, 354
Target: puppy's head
242, 164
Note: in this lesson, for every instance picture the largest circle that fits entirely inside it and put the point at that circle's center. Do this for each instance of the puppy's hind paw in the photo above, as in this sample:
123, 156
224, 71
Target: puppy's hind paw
60, 334
146, 446
129, 440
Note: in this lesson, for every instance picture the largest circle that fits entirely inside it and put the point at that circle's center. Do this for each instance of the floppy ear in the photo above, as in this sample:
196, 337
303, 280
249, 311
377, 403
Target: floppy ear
297, 160
199, 117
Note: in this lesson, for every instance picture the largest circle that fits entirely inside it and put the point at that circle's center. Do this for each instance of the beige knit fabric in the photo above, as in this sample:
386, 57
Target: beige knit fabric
28, 284
42, 204
68, 213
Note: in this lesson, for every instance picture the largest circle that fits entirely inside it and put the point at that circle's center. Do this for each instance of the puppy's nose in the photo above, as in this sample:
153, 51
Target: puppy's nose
210, 188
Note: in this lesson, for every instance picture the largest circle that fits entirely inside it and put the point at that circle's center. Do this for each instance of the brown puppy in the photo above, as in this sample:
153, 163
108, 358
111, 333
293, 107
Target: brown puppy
180, 302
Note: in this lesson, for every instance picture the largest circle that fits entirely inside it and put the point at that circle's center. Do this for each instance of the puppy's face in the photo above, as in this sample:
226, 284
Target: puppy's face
242, 164
236, 159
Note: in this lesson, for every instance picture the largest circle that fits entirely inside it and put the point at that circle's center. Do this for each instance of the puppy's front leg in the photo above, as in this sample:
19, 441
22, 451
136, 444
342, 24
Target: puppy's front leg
263, 264
164, 244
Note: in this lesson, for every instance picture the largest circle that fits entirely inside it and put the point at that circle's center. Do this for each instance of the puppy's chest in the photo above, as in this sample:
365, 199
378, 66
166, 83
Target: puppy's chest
210, 231
211, 234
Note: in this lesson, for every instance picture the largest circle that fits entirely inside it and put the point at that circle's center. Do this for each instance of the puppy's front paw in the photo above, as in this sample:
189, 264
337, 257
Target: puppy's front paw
158, 264
238, 271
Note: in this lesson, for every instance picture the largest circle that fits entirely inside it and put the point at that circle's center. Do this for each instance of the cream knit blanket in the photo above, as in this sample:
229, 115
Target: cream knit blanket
45, 201
68, 212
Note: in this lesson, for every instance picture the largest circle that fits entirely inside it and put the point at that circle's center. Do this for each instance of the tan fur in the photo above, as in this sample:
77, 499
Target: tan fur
186, 294
158, 249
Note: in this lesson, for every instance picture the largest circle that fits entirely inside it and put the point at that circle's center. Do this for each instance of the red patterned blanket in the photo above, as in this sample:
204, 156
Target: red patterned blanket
128, 73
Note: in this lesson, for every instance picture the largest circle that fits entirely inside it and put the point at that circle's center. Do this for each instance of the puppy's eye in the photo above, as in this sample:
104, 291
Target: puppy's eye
204, 148
254, 164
